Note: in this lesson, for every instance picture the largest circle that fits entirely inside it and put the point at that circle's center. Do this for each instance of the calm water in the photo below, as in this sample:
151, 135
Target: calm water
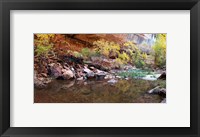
94, 91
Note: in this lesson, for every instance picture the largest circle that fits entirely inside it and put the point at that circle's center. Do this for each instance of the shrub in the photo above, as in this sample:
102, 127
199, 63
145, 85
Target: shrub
85, 52
42, 50
128, 52
105, 47
77, 54
139, 63
124, 57
43, 44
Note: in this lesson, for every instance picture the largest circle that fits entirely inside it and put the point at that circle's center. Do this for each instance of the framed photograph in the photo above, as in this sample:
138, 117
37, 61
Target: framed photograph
99, 68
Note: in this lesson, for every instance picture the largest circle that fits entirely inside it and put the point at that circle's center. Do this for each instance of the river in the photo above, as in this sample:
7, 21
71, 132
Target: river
98, 91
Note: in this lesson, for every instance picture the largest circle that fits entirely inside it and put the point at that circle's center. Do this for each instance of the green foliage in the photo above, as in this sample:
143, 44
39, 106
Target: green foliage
43, 44
42, 50
77, 54
139, 63
138, 58
85, 52
160, 50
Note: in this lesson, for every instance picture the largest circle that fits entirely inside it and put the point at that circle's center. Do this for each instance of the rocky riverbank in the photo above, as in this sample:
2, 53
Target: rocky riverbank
75, 69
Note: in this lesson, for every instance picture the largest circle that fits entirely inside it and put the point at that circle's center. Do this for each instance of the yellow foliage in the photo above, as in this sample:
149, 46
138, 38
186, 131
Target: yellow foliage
124, 57
106, 47
144, 55
160, 50
130, 45
118, 61
44, 36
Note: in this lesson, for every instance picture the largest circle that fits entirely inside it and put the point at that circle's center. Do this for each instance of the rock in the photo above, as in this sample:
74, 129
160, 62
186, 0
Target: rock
100, 63
118, 77
92, 68
81, 78
79, 73
55, 70
154, 90
126, 78
158, 90
100, 74
128, 67
40, 78
67, 73
97, 71
44, 75
47, 80
88, 72
41, 82
109, 76
163, 101
162, 76
112, 81
162, 92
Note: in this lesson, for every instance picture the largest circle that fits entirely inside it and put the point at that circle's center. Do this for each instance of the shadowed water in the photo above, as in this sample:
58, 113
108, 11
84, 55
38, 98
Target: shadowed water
98, 91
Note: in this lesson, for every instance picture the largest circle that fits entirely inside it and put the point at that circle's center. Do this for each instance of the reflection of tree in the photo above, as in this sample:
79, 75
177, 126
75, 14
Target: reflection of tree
123, 85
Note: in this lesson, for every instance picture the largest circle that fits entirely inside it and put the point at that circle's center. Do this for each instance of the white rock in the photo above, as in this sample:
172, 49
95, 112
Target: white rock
67, 73
152, 90
112, 81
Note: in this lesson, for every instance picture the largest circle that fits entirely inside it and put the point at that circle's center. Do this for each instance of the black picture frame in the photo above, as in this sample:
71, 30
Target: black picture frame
7, 5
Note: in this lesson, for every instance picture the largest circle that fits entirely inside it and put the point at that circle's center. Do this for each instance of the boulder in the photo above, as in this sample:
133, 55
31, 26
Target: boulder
67, 73
99, 74
55, 70
163, 101
162, 76
154, 90
88, 72
81, 78
158, 90
109, 76
162, 92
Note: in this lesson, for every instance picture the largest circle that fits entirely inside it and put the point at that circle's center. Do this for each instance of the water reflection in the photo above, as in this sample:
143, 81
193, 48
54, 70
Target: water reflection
94, 91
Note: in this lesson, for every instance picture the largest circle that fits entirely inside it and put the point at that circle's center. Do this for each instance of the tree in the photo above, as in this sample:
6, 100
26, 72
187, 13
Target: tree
160, 50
